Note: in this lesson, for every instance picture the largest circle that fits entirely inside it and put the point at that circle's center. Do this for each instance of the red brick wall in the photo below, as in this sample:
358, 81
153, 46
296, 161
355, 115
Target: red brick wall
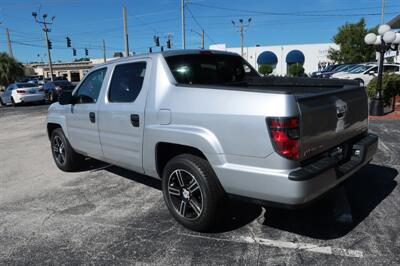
397, 103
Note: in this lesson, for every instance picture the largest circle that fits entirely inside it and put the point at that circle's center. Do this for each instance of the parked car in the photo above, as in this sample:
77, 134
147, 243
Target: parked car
207, 125
326, 72
364, 73
52, 89
17, 93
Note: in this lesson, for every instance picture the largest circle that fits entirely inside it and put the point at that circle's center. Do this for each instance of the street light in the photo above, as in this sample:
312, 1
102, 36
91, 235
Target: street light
385, 41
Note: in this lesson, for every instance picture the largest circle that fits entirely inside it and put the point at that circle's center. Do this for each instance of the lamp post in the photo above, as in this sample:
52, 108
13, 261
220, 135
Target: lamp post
385, 41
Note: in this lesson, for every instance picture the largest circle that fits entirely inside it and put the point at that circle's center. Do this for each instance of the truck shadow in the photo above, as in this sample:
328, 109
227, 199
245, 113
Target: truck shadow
342, 209
355, 199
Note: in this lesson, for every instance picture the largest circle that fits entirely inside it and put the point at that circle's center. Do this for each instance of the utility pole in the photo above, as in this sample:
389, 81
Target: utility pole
201, 34
241, 27
104, 51
183, 24
125, 31
382, 12
46, 31
10, 53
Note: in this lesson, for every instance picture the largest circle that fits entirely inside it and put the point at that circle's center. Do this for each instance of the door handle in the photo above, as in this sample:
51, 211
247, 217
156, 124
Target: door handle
135, 120
92, 117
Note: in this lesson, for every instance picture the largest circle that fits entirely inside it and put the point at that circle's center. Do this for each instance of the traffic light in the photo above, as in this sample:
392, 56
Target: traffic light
157, 40
49, 44
162, 48
169, 43
150, 50
86, 52
73, 51
68, 42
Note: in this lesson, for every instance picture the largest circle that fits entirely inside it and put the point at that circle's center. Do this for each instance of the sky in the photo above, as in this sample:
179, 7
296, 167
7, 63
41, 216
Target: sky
88, 22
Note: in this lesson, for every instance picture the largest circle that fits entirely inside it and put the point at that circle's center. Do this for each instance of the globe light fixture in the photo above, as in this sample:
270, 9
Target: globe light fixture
385, 41
389, 37
383, 29
370, 38
397, 40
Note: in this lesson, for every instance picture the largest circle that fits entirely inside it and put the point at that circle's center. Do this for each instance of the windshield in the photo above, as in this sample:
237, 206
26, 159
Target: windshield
359, 69
207, 68
25, 85
62, 82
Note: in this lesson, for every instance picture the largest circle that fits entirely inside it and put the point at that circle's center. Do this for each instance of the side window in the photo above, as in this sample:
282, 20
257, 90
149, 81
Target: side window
126, 82
89, 90
390, 68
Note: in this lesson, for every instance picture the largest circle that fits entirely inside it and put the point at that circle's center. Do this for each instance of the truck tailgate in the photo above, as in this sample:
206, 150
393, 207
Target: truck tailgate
329, 119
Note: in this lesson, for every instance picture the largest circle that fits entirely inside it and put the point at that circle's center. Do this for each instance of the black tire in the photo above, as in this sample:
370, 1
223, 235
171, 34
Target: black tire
1, 103
65, 157
203, 205
13, 102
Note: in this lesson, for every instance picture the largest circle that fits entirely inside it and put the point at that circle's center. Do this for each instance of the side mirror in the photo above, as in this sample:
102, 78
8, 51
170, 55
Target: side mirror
66, 98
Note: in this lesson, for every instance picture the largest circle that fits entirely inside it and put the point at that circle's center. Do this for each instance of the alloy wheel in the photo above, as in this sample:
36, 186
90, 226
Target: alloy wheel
185, 194
59, 150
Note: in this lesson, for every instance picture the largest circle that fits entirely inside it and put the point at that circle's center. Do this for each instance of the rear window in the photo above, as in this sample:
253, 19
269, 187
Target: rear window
26, 85
62, 83
205, 69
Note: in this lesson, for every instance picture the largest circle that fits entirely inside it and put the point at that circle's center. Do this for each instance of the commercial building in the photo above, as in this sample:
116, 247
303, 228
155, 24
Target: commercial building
312, 56
73, 71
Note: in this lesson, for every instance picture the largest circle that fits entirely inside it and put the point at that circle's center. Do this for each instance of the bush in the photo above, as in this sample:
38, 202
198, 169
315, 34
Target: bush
296, 70
265, 69
390, 87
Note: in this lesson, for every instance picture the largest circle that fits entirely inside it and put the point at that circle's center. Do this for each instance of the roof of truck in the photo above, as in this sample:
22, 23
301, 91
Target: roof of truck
165, 54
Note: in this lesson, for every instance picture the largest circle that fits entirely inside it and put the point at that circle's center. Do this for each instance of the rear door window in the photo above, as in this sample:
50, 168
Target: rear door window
127, 82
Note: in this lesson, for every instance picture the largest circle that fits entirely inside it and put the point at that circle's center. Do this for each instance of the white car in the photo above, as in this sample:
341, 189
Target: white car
17, 93
364, 73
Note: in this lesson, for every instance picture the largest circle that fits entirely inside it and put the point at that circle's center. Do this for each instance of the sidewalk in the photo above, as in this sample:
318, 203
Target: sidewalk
392, 115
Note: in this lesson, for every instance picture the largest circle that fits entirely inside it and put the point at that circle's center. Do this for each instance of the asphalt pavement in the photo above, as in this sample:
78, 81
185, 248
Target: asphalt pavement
106, 215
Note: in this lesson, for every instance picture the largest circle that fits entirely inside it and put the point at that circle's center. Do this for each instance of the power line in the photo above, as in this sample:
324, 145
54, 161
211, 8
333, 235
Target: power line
198, 24
301, 14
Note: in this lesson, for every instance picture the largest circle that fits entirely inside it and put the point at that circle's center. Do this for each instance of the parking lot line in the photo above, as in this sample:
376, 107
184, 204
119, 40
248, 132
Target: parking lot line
290, 245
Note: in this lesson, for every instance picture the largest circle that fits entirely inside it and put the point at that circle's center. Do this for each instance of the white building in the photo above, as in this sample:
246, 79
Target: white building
314, 55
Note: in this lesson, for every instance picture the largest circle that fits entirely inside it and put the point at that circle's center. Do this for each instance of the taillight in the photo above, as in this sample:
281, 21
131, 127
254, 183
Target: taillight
285, 134
20, 91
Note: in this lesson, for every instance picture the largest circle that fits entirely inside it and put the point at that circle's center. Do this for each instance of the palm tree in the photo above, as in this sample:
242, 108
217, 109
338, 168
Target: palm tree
10, 69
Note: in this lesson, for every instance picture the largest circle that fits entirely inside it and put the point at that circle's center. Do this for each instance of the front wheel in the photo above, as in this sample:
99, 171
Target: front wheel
64, 155
192, 192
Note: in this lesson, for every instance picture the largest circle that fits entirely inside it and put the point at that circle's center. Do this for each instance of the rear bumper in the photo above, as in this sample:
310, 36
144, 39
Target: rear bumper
30, 98
296, 187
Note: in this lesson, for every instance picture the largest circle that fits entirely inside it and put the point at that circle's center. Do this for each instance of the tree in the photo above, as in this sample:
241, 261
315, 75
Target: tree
296, 70
10, 69
353, 49
390, 86
265, 69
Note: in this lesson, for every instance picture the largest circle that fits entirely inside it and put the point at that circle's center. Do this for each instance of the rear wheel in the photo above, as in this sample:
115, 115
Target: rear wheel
63, 154
193, 193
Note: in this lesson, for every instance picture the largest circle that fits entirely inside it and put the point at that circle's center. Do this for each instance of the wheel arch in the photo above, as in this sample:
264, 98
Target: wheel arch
165, 151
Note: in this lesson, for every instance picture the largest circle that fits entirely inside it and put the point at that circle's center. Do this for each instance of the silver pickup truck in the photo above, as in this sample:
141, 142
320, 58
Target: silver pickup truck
211, 128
